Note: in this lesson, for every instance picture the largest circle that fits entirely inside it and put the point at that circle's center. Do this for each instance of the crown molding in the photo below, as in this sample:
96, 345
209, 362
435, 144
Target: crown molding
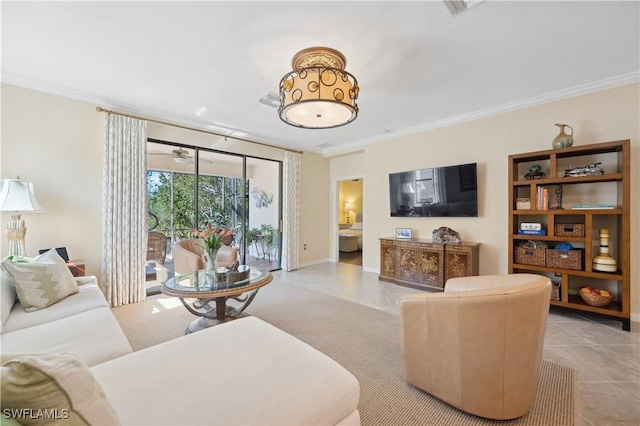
585, 89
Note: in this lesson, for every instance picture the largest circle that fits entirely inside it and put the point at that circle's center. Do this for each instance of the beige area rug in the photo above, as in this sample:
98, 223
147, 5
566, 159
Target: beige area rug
366, 342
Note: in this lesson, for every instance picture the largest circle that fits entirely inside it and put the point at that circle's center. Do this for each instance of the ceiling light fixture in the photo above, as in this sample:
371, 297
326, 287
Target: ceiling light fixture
318, 93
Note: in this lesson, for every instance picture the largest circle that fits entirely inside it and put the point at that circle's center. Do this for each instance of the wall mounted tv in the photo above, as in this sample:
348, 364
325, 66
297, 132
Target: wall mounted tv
436, 192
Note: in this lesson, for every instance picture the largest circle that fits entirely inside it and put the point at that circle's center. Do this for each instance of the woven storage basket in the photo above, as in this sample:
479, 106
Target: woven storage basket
595, 299
530, 256
569, 229
564, 259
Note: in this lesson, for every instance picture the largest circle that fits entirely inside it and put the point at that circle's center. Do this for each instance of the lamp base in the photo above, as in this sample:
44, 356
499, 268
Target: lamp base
16, 232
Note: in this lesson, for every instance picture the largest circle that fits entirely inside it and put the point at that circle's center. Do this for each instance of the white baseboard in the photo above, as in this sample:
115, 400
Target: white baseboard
315, 262
374, 270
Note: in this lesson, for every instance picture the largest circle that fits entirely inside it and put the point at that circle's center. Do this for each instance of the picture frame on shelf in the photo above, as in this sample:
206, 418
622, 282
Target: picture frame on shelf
403, 233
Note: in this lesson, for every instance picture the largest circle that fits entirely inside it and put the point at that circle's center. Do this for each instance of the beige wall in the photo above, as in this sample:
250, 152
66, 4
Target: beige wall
57, 143
605, 116
314, 210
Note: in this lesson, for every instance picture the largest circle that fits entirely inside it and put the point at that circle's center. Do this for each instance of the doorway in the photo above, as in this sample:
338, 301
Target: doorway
350, 221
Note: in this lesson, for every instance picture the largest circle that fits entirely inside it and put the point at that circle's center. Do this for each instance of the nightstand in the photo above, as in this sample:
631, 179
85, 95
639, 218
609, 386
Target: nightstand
344, 225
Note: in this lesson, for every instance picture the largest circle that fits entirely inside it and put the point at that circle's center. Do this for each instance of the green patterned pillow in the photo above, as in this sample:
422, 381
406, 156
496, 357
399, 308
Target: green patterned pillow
41, 281
54, 389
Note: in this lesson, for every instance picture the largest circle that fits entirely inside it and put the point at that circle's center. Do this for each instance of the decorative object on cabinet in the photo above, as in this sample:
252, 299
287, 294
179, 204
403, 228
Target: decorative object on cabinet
587, 170
445, 235
558, 198
603, 261
563, 140
523, 204
535, 172
403, 233
424, 264
599, 201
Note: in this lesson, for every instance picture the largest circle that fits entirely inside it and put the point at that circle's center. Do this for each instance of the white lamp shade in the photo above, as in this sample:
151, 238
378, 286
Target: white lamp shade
348, 207
17, 196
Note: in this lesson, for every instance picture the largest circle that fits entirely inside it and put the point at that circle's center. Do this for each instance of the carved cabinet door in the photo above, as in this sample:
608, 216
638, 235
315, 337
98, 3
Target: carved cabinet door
458, 262
387, 259
431, 260
408, 263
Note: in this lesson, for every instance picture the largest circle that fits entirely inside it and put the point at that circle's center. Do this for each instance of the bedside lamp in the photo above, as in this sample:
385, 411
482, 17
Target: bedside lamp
17, 196
347, 208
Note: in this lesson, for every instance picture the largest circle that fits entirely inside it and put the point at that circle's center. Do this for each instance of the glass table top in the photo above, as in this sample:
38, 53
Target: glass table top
225, 280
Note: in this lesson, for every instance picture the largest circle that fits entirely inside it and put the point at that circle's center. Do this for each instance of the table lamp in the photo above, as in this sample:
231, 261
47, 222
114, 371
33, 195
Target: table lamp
348, 208
17, 196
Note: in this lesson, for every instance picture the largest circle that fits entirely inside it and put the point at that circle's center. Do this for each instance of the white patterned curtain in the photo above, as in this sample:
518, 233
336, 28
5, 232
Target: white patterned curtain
124, 226
291, 216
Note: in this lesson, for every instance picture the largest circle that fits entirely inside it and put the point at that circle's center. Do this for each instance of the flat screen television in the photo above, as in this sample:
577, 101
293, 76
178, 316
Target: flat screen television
436, 192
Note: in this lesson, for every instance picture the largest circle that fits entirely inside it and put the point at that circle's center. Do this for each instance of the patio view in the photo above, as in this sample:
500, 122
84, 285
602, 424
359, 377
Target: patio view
191, 188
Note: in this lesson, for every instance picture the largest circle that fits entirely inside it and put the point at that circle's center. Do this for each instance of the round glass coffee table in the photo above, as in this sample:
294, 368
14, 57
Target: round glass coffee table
212, 292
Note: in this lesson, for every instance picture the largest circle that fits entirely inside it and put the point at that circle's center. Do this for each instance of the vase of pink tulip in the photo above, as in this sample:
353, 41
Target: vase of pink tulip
212, 240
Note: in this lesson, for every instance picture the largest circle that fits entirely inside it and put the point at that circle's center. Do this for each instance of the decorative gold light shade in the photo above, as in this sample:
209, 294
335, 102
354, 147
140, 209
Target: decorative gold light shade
318, 93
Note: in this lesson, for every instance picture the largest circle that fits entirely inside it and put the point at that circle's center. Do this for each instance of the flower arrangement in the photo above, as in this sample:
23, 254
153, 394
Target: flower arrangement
213, 237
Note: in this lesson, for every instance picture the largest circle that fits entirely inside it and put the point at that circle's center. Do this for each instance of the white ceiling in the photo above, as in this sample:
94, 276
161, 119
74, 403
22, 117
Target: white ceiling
417, 66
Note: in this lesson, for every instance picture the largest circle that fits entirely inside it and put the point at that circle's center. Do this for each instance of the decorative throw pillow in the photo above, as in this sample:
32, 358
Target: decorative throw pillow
356, 225
7, 295
54, 388
41, 281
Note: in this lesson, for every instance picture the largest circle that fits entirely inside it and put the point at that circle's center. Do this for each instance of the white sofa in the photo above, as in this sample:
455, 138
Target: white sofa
242, 372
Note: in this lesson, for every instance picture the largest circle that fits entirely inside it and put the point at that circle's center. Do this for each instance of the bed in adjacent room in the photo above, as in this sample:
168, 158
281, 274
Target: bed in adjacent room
350, 239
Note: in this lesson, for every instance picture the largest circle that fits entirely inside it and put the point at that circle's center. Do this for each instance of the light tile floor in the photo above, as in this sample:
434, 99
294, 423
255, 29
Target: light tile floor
607, 359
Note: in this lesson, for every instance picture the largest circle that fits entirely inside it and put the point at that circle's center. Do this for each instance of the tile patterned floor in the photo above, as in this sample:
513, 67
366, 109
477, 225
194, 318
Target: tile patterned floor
607, 359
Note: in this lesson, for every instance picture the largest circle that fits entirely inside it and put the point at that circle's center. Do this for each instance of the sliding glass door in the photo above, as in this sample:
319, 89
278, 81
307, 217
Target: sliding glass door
192, 187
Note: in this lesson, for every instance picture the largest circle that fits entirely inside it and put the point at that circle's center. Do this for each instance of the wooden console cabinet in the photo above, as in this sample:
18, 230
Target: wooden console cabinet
426, 265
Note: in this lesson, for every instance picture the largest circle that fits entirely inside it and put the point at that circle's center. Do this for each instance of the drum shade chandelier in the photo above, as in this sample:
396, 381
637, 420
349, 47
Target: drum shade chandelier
318, 93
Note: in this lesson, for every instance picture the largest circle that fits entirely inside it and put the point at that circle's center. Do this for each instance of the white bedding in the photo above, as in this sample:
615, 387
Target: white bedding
348, 233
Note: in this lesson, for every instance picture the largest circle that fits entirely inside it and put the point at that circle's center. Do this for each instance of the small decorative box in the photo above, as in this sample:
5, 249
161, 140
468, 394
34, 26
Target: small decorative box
523, 203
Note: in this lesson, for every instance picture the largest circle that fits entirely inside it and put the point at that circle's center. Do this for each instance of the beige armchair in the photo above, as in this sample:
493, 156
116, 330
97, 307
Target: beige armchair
187, 256
478, 346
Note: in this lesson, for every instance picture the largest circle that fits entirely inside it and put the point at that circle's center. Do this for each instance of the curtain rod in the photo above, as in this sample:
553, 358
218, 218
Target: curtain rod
195, 129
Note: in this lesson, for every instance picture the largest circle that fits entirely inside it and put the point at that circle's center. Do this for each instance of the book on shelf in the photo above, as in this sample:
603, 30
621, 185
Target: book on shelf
543, 198
532, 232
592, 206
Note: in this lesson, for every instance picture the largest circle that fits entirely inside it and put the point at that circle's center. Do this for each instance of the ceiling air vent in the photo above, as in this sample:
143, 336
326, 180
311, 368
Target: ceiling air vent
272, 100
456, 7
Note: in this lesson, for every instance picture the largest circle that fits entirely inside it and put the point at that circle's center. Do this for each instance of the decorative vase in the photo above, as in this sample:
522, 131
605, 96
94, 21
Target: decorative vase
211, 261
603, 261
563, 140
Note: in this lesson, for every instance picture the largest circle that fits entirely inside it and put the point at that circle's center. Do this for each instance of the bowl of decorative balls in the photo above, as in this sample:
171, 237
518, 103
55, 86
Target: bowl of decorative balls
595, 297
